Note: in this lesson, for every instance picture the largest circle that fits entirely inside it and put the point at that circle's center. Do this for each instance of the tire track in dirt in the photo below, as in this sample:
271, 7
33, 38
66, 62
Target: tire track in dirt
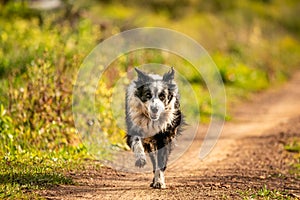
224, 171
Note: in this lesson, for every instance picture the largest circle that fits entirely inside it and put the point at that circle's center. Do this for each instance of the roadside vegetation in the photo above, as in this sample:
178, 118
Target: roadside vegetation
265, 193
294, 147
254, 43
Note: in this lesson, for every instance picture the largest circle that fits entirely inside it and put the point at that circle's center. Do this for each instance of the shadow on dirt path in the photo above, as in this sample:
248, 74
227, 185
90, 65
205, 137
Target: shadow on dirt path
248, 155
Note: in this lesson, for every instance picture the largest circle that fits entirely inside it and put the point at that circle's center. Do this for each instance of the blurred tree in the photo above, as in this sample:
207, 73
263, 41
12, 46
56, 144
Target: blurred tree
3, 2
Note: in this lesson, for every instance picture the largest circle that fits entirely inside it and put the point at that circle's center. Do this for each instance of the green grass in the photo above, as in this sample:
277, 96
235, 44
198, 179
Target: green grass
265, 194
29, 163
294, 147
23, 174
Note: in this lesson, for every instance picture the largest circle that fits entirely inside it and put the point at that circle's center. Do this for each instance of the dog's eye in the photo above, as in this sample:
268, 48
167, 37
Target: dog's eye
162, 96
148, 95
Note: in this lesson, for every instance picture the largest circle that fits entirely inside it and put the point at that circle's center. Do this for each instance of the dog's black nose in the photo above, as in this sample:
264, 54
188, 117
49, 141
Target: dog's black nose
154, 109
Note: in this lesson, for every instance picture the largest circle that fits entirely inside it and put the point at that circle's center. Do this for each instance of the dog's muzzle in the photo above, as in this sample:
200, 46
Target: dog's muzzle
155, 109
154, 113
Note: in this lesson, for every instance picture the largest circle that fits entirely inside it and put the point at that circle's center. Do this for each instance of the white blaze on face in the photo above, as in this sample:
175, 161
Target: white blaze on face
156, 106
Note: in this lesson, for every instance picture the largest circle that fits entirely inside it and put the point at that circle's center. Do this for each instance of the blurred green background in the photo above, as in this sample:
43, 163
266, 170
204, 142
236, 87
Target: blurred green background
255, 44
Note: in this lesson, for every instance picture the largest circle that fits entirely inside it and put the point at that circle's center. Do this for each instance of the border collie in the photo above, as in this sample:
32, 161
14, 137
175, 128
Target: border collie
153, 119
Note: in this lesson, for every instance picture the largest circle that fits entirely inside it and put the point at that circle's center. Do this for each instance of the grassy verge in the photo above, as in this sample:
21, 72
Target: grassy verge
22, 175
294, 147
264, 193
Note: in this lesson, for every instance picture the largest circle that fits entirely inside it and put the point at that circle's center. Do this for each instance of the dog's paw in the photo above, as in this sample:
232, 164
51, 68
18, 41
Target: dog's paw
158, 185
140, 162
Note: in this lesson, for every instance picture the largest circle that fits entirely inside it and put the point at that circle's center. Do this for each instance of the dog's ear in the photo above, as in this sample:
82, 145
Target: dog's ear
169, 76
142, 77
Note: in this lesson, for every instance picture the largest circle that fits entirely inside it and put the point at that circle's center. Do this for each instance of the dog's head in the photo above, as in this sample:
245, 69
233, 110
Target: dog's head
155, 93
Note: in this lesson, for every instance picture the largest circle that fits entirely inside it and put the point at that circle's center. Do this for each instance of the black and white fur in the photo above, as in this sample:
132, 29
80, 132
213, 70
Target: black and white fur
153, 120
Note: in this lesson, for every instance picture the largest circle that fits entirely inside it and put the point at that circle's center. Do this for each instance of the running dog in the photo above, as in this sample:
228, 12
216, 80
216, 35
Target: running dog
153, 119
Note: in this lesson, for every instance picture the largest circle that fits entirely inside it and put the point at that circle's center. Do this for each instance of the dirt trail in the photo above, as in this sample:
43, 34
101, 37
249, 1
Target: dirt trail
248, 155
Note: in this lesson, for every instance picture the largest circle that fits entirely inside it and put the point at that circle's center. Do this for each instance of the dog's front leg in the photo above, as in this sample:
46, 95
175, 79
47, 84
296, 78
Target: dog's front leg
153, 157
159, 179
162, 159
138, 149
159, 176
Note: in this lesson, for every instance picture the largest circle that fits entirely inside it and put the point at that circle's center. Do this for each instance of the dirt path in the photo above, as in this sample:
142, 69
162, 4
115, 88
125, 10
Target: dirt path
248, 156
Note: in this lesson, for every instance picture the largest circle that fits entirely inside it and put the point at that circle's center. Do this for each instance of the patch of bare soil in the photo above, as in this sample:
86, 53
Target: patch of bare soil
249, 155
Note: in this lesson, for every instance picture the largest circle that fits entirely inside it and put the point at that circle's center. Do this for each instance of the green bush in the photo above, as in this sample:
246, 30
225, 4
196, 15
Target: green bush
39, 112
240, 75
40, 55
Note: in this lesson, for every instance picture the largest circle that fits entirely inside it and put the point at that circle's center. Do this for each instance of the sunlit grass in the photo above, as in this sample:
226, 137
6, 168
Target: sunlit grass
265, 194
294, 147
24, 173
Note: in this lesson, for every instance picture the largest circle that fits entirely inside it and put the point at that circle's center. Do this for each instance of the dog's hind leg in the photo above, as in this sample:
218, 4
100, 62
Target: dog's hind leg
162, 159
